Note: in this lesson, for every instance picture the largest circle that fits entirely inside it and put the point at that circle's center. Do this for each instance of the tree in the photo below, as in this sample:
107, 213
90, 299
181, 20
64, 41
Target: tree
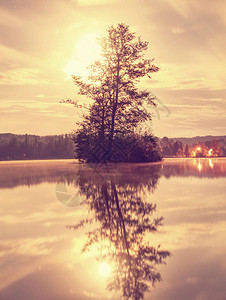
167, 146
178, 148
118, 105
187, 151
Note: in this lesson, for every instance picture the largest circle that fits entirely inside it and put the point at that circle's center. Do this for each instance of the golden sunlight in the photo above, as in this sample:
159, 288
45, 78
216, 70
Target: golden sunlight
87, 51
199, 166
104, 269
210, 152
210, 163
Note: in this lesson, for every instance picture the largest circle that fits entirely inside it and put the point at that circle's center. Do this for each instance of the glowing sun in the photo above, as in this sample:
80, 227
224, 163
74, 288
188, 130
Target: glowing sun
87, 51
104, 269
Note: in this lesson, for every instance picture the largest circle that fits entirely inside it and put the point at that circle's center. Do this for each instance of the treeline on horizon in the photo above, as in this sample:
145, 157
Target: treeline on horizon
26, 147
208, 146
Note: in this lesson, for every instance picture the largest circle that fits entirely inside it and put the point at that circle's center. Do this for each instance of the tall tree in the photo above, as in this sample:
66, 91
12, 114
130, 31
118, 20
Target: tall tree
118, 105
186, 151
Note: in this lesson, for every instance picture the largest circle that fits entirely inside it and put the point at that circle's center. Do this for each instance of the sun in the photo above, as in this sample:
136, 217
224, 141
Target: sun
88, 47
104, 269
87, 51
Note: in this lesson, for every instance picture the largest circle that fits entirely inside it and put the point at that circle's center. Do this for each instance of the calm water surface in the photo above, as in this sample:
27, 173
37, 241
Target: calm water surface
71, 231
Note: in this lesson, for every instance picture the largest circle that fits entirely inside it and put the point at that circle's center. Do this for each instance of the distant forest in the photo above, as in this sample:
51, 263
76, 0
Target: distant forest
25, 147
17, 147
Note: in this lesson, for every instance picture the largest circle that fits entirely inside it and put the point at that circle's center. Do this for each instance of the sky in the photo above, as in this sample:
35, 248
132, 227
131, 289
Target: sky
43, 42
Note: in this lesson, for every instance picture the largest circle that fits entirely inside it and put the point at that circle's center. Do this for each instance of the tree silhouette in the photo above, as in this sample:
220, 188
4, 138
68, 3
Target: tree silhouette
118, 105
187, 151
123, 219
26, 146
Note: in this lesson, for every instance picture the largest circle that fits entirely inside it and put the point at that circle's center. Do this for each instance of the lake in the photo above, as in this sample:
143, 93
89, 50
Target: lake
73, 231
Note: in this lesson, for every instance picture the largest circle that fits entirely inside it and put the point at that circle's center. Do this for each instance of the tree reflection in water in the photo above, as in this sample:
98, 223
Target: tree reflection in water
123, 217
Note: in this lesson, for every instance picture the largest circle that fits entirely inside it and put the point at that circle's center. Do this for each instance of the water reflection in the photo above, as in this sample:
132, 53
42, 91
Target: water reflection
122, 219
28, 173
37, 250
201, 167
35, 172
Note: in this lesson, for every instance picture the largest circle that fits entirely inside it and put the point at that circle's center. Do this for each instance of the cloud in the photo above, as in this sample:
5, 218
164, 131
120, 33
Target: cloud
94, 2
11, 58
6, 18
22, 76
29, 246
184, 76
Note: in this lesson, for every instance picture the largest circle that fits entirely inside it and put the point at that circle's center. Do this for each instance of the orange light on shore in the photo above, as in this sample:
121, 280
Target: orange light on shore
193, 153
198, 149
210, 152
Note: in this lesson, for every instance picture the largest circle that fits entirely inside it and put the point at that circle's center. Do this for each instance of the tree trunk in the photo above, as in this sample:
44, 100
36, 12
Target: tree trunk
114, 109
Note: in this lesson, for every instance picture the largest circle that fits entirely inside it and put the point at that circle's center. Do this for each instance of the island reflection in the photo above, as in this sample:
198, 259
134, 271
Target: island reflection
36, 172
122, 221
